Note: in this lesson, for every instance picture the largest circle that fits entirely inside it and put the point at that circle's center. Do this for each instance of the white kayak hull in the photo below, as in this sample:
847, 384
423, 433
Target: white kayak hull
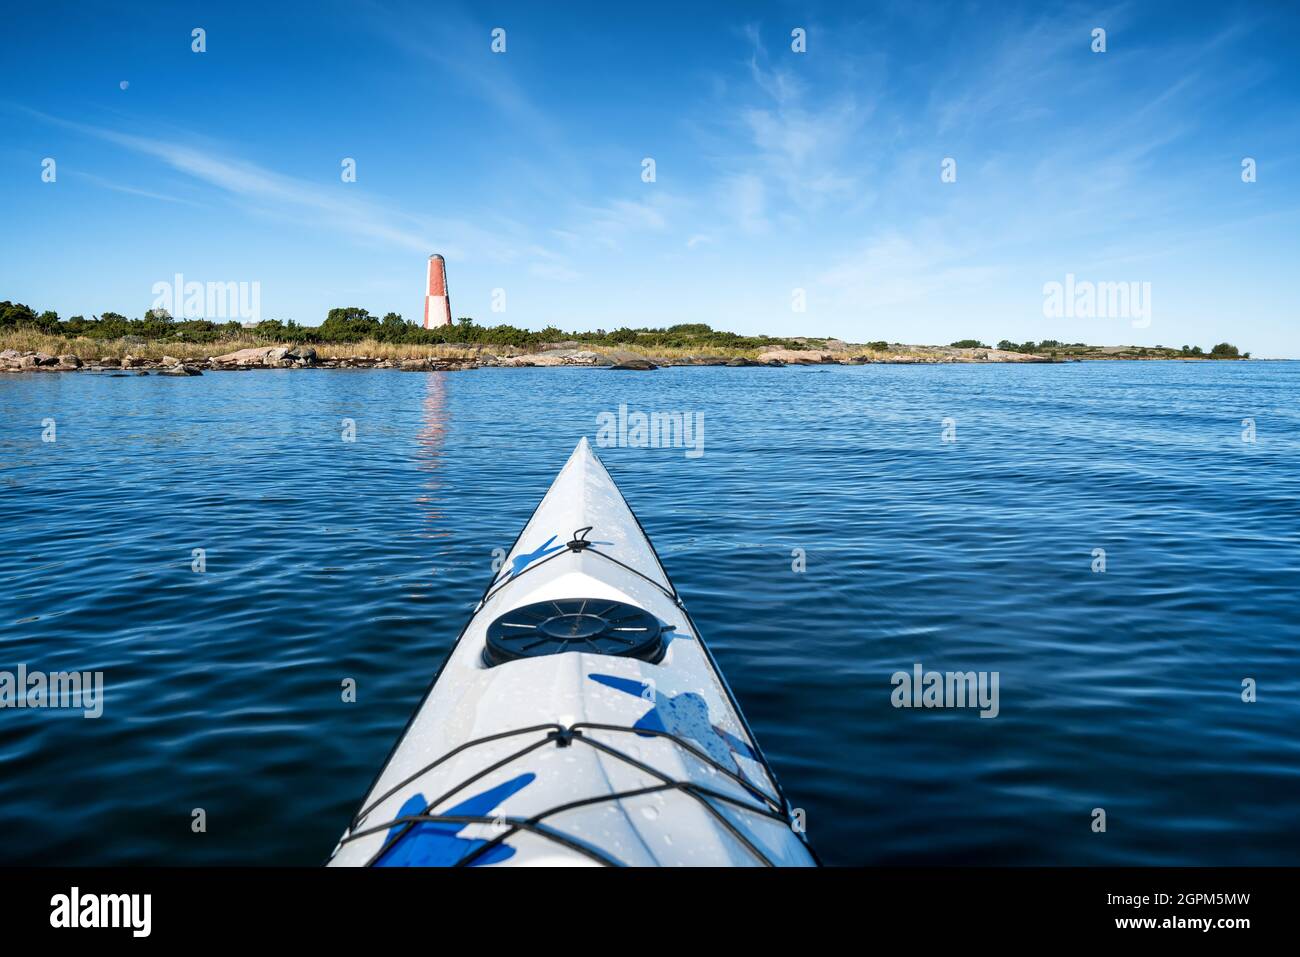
528, 751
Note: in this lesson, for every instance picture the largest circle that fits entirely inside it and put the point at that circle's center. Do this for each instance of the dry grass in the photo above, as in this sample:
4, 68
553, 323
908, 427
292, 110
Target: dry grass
669, 352
724, 353
26, 340
91, 349
374, 349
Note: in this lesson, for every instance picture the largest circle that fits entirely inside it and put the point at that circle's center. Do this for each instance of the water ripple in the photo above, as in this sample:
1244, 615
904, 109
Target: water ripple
329, 560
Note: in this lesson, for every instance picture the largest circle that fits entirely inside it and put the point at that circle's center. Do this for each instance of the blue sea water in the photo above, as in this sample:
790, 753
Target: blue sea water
328, 560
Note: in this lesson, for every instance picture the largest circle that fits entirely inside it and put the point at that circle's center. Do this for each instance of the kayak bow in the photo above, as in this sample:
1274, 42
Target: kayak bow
579, 719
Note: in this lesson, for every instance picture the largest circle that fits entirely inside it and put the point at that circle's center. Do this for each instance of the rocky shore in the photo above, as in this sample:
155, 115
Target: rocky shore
564, 354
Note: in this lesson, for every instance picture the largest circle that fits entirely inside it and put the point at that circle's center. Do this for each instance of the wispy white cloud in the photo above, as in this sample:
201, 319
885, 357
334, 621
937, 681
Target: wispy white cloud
132, 190
798, 143
553, 271
897, 269
457, 46
264, 192
611, 223
549, 264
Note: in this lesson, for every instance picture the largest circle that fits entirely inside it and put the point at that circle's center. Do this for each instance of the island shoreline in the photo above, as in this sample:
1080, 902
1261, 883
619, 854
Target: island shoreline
189, 359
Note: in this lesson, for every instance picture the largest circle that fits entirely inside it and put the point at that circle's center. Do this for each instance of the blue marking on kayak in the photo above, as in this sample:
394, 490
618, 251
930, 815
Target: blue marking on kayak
685, 715
434, 844
520, 562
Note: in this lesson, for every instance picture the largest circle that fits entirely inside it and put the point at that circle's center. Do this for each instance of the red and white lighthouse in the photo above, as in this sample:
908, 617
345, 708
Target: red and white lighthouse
437, 304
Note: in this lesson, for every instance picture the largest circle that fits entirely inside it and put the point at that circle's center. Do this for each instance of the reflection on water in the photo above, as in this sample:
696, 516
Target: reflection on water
429, 440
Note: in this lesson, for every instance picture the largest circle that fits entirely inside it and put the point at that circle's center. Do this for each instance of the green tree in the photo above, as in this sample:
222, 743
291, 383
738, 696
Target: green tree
348, 324
271, 330
156, 324
14, 315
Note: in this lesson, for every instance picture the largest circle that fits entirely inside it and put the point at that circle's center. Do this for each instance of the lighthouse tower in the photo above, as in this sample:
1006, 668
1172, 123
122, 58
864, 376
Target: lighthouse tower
437, 304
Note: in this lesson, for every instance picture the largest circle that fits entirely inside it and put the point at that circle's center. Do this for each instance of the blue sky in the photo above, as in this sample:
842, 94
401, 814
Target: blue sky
775, 170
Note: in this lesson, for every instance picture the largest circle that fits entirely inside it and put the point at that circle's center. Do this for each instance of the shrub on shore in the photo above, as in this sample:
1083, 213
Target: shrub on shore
1226, 350
353, 324
353, 331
